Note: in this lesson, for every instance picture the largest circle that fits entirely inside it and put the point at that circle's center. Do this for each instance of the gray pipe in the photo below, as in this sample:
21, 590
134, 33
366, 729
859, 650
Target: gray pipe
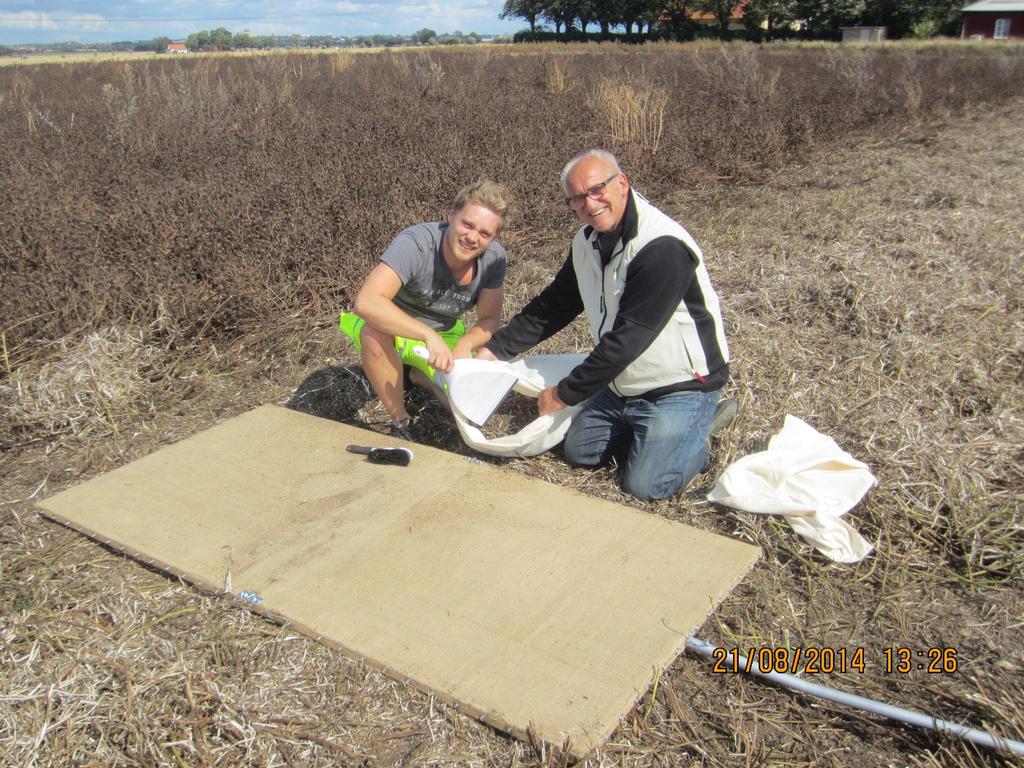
908, 716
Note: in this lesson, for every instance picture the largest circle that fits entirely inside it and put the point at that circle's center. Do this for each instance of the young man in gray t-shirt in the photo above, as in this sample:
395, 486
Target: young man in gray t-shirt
429, 275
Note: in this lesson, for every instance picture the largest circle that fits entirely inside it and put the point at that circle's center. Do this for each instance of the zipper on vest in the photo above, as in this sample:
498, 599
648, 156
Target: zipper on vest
693, 368
604, 271
604, 314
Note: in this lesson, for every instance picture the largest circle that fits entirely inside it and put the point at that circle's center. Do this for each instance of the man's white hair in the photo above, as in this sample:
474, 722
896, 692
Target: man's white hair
602, 154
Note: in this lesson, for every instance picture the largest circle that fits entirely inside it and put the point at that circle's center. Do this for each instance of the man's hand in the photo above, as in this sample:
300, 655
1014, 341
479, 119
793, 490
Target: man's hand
483, 353
440, 356
463, 348
548, 401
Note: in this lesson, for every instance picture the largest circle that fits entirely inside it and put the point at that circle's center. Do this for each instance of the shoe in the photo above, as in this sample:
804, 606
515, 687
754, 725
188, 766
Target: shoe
402, 429
724, 414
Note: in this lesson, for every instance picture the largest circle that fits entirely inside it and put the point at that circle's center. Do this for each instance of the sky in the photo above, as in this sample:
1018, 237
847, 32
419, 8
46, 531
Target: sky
92, 21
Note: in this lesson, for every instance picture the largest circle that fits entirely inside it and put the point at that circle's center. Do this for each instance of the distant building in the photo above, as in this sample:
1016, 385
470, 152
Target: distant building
176, 48
863, 34
993, 20
708, 19
705, 20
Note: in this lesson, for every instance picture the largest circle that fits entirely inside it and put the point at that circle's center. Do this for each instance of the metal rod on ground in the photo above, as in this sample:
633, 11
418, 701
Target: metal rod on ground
908, 716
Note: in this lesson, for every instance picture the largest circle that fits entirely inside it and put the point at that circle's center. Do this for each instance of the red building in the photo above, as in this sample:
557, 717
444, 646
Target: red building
993, 20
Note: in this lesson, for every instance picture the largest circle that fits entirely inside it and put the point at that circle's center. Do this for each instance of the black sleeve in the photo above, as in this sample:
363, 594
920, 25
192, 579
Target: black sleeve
657, 280
545, 315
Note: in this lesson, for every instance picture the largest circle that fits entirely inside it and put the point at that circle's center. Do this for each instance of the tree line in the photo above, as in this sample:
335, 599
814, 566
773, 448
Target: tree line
222, 39
729, 19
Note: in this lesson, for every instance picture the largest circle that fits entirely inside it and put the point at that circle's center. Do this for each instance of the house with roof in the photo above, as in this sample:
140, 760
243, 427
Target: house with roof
704, 18
993, 20
177, 48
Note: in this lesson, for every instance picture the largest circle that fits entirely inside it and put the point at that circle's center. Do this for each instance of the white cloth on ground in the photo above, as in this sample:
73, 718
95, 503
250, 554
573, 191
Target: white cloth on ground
807, 478
534, 373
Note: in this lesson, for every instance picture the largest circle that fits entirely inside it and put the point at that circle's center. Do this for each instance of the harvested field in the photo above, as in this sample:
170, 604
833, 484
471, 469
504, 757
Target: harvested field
178, 240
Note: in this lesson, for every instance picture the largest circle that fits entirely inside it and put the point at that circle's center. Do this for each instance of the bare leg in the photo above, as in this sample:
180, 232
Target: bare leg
420, 380
383, 368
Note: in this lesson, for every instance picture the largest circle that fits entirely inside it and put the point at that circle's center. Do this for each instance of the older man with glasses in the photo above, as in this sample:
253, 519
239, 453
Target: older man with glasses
653, 380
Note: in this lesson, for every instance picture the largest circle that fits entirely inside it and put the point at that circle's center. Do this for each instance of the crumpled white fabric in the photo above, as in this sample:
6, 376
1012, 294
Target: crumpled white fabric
806, 477
534, 372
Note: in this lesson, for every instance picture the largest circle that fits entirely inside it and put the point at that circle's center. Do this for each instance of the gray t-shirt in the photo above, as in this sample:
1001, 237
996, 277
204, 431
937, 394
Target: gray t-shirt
429, 291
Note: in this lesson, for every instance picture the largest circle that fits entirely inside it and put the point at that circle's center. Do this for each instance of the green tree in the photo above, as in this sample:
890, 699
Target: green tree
638, 12
220, 38
5, 51
424, 36
824, 17
629, 15
160, 44
242, 40
606, 13
772, 14
198, 41
905, 18
523, 9
555, 13
650, 14
676, 18
897, 16
938, 17
582, 10
722, 11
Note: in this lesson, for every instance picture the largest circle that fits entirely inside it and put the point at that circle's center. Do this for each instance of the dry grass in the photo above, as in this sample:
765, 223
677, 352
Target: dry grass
876, 293
130, 56
244, 188
557, 81
636, 114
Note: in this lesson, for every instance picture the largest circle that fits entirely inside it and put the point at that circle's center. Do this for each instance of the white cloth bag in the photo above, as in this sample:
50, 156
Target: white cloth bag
808, 479
534, 373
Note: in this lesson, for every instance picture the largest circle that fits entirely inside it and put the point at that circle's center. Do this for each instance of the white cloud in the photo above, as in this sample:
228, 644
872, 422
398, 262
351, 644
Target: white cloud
106, 20
449, 16
87, 23
412, 9
29, 20
60, 20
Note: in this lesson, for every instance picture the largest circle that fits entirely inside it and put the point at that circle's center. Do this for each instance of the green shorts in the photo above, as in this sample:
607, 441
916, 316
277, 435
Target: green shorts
352, 324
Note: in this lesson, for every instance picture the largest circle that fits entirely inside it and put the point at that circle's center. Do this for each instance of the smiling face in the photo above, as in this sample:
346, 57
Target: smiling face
601, 208
471, 229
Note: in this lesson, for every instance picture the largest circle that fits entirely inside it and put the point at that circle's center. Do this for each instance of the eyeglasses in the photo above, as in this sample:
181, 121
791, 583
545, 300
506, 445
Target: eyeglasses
594, 192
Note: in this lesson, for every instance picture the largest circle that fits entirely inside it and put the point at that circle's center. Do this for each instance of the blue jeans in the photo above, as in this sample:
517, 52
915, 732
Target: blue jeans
662, 440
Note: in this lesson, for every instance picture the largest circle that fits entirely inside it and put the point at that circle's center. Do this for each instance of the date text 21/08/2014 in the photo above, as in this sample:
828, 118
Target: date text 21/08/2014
826, 660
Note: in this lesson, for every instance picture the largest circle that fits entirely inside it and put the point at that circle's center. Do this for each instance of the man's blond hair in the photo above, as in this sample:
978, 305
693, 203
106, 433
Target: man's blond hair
489, 194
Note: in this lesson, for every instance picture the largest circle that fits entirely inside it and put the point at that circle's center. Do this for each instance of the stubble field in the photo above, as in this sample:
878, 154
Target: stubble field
178, 238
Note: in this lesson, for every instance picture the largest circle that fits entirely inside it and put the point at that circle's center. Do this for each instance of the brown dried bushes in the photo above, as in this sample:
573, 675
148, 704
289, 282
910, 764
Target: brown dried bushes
875, 293
250, 187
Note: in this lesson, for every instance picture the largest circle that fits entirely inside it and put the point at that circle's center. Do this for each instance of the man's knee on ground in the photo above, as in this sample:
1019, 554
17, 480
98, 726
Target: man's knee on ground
576, 456
648, 490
